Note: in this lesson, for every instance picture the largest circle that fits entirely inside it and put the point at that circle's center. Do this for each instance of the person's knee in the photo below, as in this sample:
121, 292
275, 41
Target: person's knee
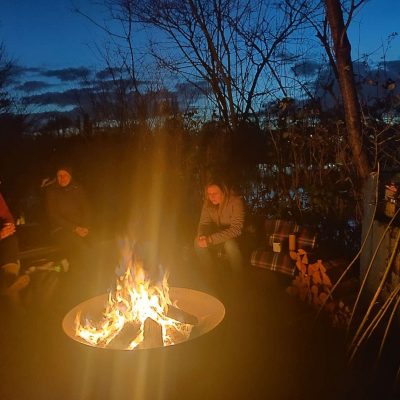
201, 251
198, 249
11, 268
203, 254
231, 246
233, 253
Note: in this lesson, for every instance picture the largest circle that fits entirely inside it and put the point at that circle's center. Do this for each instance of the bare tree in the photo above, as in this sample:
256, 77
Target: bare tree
119, 95
7, 69
344, 65
229, 44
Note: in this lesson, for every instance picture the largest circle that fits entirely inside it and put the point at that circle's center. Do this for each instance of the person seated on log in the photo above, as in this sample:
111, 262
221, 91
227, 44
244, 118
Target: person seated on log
11, 283
68, 212
220, 226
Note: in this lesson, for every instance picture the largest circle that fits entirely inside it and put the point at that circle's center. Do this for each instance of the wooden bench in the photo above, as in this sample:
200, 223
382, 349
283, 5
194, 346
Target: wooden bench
35, 244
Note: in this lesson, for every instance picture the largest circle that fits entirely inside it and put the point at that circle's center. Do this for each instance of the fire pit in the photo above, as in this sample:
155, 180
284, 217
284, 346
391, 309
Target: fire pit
140, 314
206, 309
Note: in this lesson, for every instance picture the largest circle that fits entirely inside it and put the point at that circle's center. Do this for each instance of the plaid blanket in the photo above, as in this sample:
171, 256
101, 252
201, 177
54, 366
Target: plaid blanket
279, 231
279, 262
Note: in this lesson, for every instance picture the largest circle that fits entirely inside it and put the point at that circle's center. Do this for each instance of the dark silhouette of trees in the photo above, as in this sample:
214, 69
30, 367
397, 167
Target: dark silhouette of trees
7, 70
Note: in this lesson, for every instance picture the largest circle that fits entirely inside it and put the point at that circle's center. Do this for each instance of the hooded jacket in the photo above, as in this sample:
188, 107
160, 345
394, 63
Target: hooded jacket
222, 222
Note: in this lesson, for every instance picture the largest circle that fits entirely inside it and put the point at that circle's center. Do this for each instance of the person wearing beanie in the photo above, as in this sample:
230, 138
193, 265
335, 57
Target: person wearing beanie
68, 211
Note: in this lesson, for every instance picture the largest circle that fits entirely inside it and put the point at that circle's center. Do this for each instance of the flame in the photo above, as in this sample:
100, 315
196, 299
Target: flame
134, 300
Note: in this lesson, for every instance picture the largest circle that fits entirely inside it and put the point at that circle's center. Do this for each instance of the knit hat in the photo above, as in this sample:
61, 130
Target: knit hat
64, 167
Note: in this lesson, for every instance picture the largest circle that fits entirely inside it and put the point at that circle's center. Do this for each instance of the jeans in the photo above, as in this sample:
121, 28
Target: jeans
228, 249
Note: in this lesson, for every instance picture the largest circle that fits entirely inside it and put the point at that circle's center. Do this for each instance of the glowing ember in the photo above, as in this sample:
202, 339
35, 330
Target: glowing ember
136, 312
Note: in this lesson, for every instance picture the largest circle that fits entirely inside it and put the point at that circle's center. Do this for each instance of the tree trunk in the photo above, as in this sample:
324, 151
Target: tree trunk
344, 64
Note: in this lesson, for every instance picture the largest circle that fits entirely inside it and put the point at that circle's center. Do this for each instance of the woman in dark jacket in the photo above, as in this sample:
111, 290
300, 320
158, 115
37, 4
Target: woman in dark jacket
68, 211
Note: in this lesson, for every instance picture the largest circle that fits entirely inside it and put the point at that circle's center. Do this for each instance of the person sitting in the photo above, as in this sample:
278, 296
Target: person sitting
10, 282
68, 212
220, 225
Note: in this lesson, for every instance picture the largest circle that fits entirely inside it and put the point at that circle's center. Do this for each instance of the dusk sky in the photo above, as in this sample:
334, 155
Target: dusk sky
53, 44
47, 33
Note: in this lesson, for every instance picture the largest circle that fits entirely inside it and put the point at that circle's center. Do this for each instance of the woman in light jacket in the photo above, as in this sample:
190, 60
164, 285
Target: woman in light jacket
220, 226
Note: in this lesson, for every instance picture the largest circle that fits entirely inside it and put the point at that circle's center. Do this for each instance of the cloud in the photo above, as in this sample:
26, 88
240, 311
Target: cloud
192, 89
60, 99
392, 67
305, 68
119, 75
32, 86
108, 73
19, 75
68, 74
110, 85
284, 55
375, 85
20, 70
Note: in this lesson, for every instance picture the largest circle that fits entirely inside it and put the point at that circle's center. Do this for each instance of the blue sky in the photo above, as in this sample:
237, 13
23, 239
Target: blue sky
47, 33
372, 26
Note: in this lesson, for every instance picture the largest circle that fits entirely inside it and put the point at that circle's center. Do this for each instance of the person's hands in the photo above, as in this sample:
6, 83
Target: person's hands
202, 241
81, 231
7, 230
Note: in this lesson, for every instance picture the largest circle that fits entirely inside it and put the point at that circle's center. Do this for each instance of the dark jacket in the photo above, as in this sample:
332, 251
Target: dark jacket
67, 207
222, 222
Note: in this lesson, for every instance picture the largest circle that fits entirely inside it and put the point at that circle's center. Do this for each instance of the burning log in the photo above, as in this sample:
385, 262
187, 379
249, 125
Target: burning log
152, 335
122, 341
182, 316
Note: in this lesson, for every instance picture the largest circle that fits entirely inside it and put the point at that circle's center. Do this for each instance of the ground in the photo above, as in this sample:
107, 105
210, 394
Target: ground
267, 347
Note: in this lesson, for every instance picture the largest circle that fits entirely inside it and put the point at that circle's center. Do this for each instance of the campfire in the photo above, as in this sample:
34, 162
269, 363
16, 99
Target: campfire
139, 314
